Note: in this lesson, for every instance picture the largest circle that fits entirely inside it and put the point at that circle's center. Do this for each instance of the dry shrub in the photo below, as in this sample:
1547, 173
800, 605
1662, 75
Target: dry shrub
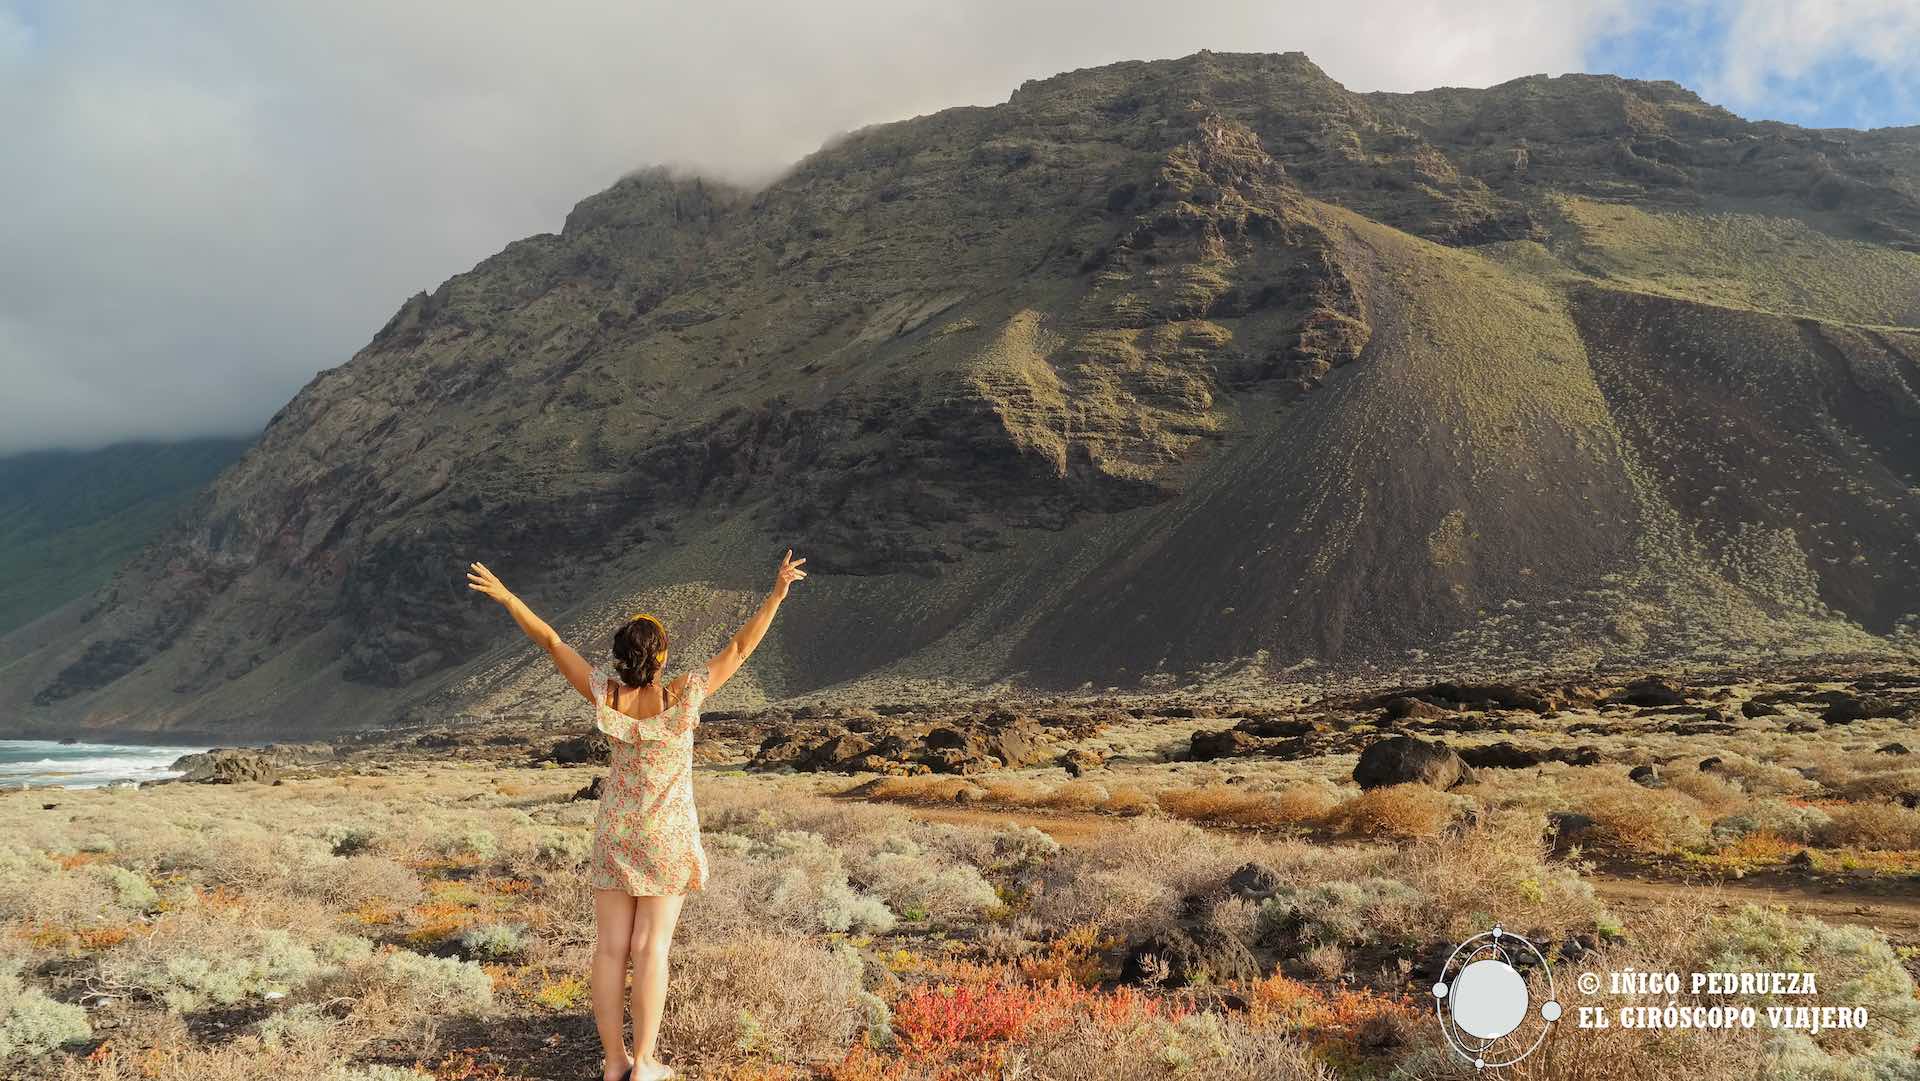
1764, 778
1498, 865
1879, 787
920, 789
1014, 791
1327, 961
362, 880
1132, 883
1076, 796
1235, 917
1712, 791
1195, 1047
1217, 804
1401, 810
774, 998
1128, 799
1884, 826
243, 1059
1654, 821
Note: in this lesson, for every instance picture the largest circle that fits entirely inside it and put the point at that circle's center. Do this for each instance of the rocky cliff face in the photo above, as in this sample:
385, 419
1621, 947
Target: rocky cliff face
1154, 369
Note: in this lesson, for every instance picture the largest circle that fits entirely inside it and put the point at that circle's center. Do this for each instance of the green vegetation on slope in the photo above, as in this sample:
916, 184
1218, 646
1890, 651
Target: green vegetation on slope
68, 519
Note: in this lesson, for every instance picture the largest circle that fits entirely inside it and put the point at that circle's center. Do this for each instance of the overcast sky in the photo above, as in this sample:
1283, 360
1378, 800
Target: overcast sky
206, 205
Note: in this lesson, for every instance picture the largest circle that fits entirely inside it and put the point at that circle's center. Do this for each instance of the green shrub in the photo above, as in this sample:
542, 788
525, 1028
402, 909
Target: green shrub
350, 840
132, 891
304, 1024
1777, 817
476, 844
30, 1022
378, 1073
801, 878
251, 965
446, 983
563, 848
344, 949
494, 941
1854, 966
1337, 913
920, 882
1022, 847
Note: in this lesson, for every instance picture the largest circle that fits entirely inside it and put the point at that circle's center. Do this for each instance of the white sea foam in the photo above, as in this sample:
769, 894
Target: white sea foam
35, 763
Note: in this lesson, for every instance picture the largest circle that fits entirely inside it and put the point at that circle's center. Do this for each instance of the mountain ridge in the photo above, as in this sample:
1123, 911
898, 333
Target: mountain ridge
1156, 368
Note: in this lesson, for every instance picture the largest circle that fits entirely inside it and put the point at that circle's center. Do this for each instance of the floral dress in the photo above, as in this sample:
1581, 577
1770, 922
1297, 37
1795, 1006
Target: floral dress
646, 837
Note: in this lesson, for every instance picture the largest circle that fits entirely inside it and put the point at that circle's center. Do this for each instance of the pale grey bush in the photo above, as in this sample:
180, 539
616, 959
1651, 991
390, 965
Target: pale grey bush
1339, 912
344, 949
494, 941
445, 983
917, 882
244, 965
132, 891
349, 840
795, 876
304, 1024
563, 848
30, 1022
1778, 817
376, 1073
477, 844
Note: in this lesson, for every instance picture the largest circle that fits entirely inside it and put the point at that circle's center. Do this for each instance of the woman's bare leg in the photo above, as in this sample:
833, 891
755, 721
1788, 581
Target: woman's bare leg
653, 923
613, 943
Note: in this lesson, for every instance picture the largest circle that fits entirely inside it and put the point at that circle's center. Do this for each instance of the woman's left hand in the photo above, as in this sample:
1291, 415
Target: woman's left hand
482, 579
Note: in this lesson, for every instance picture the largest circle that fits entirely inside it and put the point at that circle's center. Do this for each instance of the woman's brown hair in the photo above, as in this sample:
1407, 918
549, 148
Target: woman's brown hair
639, 651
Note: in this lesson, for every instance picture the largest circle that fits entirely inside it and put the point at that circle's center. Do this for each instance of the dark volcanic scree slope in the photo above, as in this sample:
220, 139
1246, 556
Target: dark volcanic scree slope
1155, 370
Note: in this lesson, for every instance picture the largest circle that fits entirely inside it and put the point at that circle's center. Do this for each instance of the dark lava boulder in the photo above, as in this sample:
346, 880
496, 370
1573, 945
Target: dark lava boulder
1503, 755
1406, 760
580, 750
1254, 881
1020, 743
1190, 953
945, 737
835, 750
592, 791
958, 760
1283, 727
1402, 707
1847, 709
1649, 691
1079, 761
1647, 776
1754, 708
235, 767
1224, 743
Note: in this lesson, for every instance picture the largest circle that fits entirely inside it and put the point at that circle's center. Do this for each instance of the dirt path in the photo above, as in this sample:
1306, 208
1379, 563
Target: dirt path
1888, 906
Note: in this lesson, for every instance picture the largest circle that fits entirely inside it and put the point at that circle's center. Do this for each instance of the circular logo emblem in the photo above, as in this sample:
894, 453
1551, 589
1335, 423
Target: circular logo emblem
1484, 1003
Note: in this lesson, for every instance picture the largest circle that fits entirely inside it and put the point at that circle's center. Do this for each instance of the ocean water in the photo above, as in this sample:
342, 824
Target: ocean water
38, 763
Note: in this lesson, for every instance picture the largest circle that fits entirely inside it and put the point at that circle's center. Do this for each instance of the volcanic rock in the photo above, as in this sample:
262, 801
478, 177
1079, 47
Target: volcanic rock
1406, 760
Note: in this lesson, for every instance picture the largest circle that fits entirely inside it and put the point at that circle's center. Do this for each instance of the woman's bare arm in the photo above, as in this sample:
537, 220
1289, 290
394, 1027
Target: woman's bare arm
565, 658
728, 661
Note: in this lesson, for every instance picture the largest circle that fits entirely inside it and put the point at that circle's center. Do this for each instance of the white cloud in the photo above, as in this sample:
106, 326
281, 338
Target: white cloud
207, 202
1817, 56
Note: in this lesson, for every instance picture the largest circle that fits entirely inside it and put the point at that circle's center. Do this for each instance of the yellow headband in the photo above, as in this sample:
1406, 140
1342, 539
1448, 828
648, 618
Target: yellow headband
655, 620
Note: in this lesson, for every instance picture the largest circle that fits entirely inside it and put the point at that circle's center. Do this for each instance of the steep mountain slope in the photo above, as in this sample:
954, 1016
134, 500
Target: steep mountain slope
1154, 369
69, 519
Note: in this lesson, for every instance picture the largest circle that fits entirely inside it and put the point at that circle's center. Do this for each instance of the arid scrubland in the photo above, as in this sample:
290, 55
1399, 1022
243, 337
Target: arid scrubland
433, 919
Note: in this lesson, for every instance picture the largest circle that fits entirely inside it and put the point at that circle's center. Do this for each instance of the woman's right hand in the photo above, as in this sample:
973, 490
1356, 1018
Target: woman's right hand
788, 574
